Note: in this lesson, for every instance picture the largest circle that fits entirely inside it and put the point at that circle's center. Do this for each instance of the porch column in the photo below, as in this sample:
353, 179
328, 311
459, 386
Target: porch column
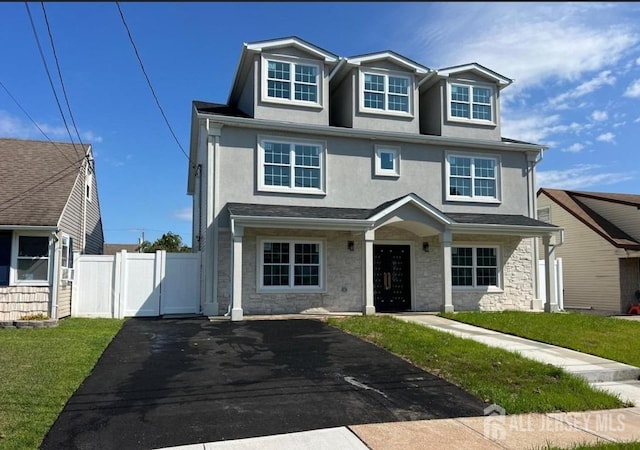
369, 307
445, 246
236, 274
551, 304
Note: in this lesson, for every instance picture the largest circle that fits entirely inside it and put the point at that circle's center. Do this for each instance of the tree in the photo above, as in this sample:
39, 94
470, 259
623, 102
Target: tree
169, 242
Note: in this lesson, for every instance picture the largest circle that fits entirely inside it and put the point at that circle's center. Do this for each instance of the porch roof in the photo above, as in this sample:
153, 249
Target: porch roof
367, 217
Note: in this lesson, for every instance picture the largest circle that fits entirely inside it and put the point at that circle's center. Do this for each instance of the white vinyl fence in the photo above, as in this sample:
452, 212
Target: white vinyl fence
559, 284
136, 285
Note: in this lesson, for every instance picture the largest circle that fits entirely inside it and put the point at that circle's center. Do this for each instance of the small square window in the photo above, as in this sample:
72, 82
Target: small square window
387, 161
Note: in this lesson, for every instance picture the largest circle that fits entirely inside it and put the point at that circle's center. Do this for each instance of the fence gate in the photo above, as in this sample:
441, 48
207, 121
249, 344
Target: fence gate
136, 285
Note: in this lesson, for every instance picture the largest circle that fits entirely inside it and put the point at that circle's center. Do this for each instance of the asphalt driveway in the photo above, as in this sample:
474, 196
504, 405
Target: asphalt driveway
167, 382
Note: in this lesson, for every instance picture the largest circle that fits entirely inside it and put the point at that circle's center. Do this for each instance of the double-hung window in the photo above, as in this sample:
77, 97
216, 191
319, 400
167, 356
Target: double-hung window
471, 102
474, 267
66, 259
5, 256
291, 166
290, 265
32, 259
473, 178
388, 93
289, 81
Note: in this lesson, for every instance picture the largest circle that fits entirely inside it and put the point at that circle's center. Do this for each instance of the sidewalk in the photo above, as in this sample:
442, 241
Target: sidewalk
524, 431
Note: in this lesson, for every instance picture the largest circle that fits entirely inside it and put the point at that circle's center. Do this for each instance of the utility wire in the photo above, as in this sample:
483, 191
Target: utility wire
35, 33
64, 91
34, 122
135, 49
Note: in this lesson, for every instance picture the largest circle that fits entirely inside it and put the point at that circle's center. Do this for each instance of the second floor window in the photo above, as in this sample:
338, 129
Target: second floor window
291, 166
385, 92
292, 81
471, 102
472, 178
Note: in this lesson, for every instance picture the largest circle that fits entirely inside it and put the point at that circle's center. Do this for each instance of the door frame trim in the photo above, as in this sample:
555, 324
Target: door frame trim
412, 265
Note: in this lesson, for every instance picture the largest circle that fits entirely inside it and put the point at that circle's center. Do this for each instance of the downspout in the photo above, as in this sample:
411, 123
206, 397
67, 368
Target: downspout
84, 206
53, 311
532, 210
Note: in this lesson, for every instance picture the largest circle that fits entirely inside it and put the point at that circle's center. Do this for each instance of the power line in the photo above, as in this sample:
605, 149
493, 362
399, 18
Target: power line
64, 91
44, 61
135, 49
34, 122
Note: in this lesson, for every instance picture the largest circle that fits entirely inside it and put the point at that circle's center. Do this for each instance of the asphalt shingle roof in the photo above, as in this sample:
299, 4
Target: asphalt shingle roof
36, 179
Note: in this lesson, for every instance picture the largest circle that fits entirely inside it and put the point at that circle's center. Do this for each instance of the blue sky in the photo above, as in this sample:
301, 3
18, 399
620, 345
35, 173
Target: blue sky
576, 68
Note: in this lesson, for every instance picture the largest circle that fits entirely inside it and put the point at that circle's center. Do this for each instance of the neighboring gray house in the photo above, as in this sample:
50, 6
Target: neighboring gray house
49, 209
601, 253
369, 183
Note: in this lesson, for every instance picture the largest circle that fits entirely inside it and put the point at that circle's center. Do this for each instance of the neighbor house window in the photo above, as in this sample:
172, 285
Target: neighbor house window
89, 186
290, 264
474, 267
5, 256
66, 258
291, 166
292, 81
32, 259
385, 92
544, 214
472, 178
387, 161
471, 102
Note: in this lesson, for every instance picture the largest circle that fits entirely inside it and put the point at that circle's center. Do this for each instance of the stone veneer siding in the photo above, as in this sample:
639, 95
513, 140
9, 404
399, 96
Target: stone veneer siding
19, 301
344, 273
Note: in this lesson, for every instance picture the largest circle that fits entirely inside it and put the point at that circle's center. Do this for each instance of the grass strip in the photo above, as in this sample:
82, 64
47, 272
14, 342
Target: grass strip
494, 375
39, 371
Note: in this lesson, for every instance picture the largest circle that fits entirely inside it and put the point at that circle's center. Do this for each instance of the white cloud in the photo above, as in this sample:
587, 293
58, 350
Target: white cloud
638, 61
633, 90
15, 127
599, 116
606, 137
580, 177
602, 79
183, 214
574, 148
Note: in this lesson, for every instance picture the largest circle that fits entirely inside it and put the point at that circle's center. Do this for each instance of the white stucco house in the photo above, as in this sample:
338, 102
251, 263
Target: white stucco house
366, 183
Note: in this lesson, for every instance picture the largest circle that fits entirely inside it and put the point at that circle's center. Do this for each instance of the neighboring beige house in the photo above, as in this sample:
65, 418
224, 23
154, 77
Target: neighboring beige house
601, 250
368, 183
112, 249
49, 209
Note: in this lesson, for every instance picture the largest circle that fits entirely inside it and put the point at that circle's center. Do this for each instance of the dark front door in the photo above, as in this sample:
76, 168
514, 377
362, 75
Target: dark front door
391, 278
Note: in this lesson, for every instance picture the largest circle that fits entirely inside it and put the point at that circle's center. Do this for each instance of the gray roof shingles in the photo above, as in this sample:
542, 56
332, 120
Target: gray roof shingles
36, 179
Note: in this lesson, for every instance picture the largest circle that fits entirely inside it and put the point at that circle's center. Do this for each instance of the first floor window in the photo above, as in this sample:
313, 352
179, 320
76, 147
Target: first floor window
291, 165
32, 262
472, 177
5, 257
474, 266
291, 264
67, 258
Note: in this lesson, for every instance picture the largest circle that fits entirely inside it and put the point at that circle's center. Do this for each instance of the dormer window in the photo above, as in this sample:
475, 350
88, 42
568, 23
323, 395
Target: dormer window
471, 103
385, 93
287, 81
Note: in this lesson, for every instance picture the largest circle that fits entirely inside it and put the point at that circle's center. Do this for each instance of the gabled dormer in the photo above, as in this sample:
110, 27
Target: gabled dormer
283, 79
377, 91
463, 102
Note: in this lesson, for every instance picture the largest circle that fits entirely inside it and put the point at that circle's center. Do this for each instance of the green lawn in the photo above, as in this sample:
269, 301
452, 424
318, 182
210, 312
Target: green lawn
494, 375
607, 337
40, 369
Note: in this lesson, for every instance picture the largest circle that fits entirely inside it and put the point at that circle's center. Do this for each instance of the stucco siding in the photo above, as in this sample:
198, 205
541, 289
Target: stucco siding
590, 264
349, 175
342, 100
19, 301
431, 110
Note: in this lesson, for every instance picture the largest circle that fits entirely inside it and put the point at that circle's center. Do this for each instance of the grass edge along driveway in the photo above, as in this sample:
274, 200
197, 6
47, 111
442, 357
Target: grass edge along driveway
518, 384
606, 337
40, 369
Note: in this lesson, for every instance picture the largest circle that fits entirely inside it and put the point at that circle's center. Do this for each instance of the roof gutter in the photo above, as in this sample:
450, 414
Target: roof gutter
514, 230
243, 122
30, 227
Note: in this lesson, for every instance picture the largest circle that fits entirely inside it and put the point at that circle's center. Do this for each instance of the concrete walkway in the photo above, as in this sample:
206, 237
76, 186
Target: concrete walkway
524, 431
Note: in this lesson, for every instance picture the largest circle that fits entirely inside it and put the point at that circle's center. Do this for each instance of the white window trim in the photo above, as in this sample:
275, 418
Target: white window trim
260, 288
292, 189
66, 272
470, 119
472, 197
386, 74
490, 289
379, 171
13, 272
292, 62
